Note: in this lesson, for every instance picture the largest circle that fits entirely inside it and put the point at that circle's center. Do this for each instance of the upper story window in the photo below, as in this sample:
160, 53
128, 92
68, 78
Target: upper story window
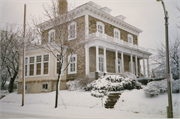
101, 63
51, 36
130, 39
116, 34
72, 31
100, 27
72, 68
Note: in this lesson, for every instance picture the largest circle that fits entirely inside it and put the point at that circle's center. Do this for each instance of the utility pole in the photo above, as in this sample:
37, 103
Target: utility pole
23, 68
170, 107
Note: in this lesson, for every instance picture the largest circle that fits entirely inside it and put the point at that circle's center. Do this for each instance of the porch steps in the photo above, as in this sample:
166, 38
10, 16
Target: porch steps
111, 100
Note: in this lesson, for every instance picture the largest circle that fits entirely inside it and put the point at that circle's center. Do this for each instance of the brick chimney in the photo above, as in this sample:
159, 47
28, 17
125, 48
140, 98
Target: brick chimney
62, 4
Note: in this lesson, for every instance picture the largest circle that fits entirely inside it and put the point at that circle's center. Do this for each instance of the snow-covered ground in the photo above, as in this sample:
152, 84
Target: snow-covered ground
132, 104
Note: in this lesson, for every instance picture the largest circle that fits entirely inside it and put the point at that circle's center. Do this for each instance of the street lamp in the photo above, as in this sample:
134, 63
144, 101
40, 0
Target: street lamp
170, 108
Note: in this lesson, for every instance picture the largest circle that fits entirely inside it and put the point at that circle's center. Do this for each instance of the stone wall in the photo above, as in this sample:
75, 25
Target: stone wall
36, 86
109, 30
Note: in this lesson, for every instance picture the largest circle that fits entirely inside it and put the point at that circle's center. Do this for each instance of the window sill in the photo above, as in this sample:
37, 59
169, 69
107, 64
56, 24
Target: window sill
72, 38
72, 72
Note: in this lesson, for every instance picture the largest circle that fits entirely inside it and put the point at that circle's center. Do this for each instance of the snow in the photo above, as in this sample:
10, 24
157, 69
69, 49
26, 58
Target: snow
132, 104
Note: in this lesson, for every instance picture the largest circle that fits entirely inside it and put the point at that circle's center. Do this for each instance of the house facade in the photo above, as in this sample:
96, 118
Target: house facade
112, 48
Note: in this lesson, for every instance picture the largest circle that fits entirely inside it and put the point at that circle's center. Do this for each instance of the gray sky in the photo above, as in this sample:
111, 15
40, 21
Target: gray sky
147, 15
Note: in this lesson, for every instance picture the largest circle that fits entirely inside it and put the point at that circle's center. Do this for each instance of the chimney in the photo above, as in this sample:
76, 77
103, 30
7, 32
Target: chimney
62, 6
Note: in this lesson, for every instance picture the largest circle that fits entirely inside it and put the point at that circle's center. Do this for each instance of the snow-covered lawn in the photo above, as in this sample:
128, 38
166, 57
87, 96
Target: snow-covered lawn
133, 104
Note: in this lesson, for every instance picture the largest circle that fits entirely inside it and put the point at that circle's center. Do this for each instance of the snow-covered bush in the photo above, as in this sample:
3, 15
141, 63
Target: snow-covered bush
155, 88
176, 86
80, 84
118, 82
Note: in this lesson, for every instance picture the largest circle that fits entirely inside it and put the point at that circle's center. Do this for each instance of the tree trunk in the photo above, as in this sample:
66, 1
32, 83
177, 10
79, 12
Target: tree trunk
57, 88
12, 82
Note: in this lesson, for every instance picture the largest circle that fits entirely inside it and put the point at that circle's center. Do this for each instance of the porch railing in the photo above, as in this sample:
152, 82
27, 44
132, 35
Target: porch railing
106, 37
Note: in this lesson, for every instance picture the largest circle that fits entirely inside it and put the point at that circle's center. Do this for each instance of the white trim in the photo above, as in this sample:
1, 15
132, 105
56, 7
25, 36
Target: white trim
116, 61
69, 71
49, 35
131, 67
87, 59
86, 25
119, 36
122, 62
97, 58
105, 67
119, 65
136, 65
72, 23
144, 67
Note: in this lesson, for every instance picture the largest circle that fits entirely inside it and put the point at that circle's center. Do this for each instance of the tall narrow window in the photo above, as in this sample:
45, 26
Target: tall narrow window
116, 35
31, 66
130, 39
51, 34
38, 65
72, 64
72, 31
100, 27
119, 65
58, 64
46, 64
133, 70
101, 63
26, 66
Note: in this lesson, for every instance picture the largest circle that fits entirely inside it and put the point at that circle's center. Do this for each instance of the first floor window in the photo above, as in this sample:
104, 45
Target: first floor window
38, 65
26, 64
101, 63
119, 65
46, 64
44, 86
31, 66
72, 64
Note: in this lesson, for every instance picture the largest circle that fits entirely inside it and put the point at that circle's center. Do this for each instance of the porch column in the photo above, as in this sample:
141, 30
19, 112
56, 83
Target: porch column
116, 61
148, 67
87, 59
105, 70
136, 66
144, 67
131, 64
97, 58
122, 62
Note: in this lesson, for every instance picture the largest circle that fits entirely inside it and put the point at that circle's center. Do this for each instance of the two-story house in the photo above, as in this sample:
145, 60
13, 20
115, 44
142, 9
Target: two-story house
112, 48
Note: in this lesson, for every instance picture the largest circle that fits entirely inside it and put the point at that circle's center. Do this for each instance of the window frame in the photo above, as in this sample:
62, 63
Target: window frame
38, 63
45, 62
101, 56
32, 64
119, 36
69, 61
130, 36
49, 35
69, 30
42, 86
97, 28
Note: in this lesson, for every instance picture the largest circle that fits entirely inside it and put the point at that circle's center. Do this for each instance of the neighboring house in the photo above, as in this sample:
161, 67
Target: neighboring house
112, 48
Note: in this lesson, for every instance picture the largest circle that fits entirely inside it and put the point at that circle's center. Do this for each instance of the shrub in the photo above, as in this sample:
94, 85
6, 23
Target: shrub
176, 86
119, 82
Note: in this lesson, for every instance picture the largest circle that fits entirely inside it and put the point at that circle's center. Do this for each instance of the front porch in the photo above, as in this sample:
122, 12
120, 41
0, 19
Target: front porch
106, 56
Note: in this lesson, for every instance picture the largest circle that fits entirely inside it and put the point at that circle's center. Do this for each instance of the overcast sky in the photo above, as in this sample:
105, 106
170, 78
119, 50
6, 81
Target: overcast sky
147, 15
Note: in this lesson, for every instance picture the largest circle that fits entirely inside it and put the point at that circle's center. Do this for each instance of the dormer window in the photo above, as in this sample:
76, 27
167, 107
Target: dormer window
72, 31
51, 35
116, 35
130, 39
100, 27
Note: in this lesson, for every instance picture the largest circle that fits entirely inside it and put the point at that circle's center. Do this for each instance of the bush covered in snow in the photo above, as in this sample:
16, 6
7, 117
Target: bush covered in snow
118, 82
79, 84
155, 88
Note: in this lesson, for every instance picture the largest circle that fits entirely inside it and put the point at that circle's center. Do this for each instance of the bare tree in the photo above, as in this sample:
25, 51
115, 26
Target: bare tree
61, 43
159, 59
11, 45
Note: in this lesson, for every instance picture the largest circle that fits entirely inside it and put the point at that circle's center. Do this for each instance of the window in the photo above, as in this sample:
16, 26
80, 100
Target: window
119, 65
72, 68
72, 31
101, 63
31, 66
38, 65
100, 27
133, 70
130, 39
44, 86
26, 66
116, 35
51, 35
58, 65
45, 63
